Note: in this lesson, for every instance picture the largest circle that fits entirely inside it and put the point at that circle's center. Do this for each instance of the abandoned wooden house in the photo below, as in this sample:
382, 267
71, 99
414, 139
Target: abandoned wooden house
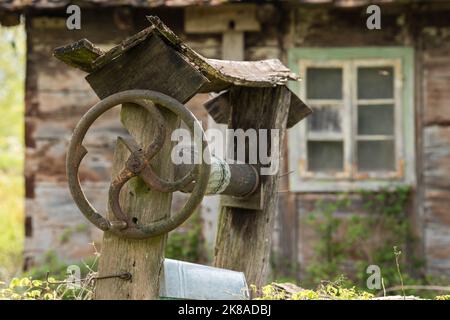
380, 99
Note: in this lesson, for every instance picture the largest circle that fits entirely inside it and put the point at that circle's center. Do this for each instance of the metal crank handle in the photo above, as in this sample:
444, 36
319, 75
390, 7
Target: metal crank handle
237, 180
139, 164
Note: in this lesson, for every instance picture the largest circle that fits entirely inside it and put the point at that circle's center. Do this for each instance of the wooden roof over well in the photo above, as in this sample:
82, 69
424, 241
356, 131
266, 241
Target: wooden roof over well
218, 75
221, 74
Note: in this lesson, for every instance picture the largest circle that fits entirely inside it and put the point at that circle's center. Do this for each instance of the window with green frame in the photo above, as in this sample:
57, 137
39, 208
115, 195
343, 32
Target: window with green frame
361, 131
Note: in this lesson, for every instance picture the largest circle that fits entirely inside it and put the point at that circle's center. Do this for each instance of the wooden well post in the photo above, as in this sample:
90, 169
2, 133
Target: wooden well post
244, 236
143, 259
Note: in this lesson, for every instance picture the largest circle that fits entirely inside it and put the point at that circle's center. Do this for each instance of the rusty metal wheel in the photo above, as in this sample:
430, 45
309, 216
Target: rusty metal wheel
138, 164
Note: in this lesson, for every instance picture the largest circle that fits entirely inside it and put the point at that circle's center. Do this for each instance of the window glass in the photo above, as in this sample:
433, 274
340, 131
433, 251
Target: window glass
325, 119
324, 83
376, 119
325, 156
376, 155
375, 82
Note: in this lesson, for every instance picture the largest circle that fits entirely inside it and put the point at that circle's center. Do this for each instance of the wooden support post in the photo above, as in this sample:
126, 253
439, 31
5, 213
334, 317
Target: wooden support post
244, 236
171, 75
287, 250
233, 45
142, 258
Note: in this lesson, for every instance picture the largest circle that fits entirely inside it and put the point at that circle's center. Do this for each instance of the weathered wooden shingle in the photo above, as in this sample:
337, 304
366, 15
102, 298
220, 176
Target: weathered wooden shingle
157, 53
80, 54
150, 65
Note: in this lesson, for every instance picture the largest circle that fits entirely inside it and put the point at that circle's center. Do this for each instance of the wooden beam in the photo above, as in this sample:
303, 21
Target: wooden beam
143, 259
233, 45
244, 236
238, 17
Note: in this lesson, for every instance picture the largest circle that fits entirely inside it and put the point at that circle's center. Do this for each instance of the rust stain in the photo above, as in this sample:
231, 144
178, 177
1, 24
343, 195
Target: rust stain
302, 167
362, 176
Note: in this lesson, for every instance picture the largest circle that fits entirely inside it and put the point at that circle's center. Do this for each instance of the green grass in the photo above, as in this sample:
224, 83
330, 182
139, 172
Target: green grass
12, 70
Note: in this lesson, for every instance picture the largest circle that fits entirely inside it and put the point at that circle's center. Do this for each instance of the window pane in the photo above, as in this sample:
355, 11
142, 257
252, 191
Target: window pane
325, 156
376, 155
324, 83
376, 119
325, 119
375, 83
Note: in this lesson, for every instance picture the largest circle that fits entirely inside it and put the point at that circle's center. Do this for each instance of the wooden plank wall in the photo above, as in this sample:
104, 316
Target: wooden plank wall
435, 199
56, 97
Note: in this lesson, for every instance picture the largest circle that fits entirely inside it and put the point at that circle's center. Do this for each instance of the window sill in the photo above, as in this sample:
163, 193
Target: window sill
305, 186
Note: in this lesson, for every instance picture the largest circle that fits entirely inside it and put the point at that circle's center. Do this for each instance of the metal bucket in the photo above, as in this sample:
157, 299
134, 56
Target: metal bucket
184, 280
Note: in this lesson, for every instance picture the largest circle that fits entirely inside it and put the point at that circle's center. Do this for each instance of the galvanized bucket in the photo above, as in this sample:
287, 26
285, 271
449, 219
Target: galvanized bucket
184, 280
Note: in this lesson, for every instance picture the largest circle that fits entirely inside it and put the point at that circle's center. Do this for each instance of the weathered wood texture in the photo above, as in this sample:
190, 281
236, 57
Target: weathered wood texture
285, 246
233, 46
80, 54
149, 65
219, 108
222, 74
142, 258
244, 237
210, 19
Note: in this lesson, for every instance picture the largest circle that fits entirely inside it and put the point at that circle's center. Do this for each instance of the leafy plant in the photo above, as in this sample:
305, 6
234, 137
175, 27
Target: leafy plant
325, 291
34, 288
27, 288
347, 246
58, 268
186, 243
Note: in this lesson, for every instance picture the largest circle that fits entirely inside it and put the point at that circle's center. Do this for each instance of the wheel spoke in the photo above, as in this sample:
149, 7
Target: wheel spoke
138, 164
